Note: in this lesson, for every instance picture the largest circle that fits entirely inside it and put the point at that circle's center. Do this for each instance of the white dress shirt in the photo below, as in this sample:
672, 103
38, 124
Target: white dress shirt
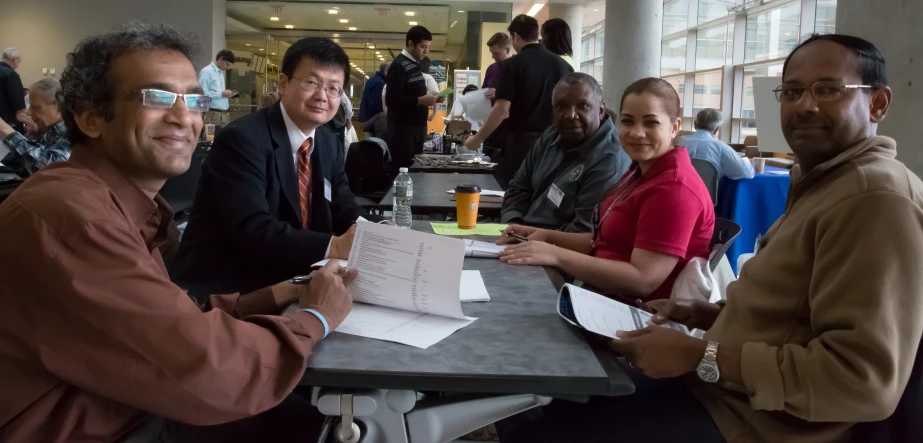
407, 54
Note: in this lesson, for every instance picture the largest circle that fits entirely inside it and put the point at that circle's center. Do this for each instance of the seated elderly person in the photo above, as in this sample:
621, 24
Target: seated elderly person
646, 226
572, 164
25, 156
821, 331
703, 145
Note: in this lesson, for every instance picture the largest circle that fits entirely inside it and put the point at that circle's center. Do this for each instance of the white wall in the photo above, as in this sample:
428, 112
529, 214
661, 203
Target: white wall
894, 26
46, 30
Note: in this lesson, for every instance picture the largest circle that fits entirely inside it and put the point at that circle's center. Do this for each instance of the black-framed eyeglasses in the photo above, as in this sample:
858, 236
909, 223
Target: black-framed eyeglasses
822, 91
311, 85
159, 99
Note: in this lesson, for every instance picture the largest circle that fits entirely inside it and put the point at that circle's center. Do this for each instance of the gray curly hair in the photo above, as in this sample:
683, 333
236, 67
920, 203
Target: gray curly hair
86, 82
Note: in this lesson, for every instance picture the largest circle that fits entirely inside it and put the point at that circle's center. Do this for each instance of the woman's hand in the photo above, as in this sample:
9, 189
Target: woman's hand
528, 232
532, 252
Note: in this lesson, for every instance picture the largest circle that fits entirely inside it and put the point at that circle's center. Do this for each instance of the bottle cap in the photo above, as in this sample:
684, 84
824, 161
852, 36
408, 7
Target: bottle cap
403, 170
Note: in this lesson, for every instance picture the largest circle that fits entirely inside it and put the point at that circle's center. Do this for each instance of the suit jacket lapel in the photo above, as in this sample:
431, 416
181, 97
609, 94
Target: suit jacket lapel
285, 162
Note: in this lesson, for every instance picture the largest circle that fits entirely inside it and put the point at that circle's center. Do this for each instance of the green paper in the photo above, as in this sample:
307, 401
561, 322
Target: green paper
445, 92
451, 228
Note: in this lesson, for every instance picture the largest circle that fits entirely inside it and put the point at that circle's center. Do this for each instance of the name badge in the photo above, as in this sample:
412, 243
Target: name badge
556, 195
327, 189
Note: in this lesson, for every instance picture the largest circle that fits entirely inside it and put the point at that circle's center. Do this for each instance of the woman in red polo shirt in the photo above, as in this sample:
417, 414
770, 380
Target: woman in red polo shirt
649, 225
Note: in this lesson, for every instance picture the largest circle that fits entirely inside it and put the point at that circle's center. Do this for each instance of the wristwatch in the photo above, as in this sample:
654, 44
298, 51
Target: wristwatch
708, 367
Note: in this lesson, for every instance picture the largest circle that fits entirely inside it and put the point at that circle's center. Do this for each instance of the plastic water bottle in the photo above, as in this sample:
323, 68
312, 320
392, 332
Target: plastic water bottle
403, 197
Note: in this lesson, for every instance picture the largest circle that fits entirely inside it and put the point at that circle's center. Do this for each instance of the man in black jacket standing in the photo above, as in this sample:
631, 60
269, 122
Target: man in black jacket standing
12, 97
407, 100
273, 193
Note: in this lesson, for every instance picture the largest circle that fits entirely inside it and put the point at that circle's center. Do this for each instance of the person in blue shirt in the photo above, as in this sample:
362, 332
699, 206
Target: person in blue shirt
212, 79
703, 145
370, 106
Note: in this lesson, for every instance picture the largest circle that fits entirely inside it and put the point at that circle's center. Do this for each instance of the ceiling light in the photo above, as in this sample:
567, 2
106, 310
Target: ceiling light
343, 20
273, 19
371, 46
273, 53
788, 33
461, 12
535, 8
248, 44
336, 35
453, 24
261, 49
596, 10
366, 77
333, 11
413, 23
409, 13
377, 52
353, 28
335, 7
289, 26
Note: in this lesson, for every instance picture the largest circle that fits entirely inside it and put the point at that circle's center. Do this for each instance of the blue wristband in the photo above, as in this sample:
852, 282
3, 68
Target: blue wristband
322, 320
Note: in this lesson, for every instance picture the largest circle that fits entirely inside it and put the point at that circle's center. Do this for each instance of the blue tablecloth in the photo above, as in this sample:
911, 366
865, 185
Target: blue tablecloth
754, 204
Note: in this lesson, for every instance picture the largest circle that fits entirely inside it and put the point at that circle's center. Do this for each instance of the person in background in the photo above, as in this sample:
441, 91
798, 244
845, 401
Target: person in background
12, 99
704, 145
120, 352
275, 183
647, 226
459, 111
212, 78
25, 156
574, 162
823, 353
524, 96
408, 102
371, 103
500, 49
432, 87
556, 37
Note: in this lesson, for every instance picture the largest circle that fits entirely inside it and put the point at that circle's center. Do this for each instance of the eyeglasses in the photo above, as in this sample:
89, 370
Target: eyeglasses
155, 98
822, 91
311, 85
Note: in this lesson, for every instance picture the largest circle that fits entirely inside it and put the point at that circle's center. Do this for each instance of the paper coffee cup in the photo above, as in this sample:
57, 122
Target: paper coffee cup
467, 199
759, 164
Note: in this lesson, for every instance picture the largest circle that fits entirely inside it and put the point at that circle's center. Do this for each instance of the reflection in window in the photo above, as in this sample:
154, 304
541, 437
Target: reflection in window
712, 10
772, 34
675, 16
712, 46
825, 22
707, 91
679, 83
673, 57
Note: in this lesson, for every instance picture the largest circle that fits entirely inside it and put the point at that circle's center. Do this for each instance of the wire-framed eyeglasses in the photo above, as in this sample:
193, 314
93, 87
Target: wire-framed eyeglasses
822, 91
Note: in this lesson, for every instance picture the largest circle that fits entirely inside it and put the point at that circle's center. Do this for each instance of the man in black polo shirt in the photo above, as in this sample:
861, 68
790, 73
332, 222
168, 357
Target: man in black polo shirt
527, 81
407, 100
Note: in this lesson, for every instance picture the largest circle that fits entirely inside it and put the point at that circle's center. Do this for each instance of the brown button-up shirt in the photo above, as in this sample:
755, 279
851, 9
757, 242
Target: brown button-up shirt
93, 335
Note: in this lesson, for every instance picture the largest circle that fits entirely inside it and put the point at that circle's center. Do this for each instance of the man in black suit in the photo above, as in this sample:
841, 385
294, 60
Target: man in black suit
273, 191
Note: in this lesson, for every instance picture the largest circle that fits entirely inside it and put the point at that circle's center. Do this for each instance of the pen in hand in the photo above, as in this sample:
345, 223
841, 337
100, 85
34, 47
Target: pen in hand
517, 237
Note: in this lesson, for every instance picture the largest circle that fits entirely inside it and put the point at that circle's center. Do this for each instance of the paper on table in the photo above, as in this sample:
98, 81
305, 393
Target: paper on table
603, 315
405, 269
343, 263
484, 192
480, 249
472, 287
476, 106
451, 228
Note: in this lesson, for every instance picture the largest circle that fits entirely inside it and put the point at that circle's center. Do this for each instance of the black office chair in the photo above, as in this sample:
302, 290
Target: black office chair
180, 191
725, 233
903, 426
709, 175
8, 186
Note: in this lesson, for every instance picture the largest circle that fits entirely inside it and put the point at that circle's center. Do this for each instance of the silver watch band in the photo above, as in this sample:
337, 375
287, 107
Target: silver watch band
711, 352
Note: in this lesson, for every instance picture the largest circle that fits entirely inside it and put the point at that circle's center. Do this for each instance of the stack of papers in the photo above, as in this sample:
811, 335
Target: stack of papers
472, 287
603, 315
451, 228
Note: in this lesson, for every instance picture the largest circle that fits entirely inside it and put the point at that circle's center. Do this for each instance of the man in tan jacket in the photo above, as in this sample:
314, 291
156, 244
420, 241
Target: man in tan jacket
822, 328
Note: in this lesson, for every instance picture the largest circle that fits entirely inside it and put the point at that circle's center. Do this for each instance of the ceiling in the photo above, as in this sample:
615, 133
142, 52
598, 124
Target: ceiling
379, 27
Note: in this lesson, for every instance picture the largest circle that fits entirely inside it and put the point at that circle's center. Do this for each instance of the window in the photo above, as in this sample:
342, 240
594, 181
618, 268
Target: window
592, 43
747, 128
707, 91
750, 91
825, 19
673, 57
600, 39
679, 83
675, 16
711, 47
713, 9
772, 34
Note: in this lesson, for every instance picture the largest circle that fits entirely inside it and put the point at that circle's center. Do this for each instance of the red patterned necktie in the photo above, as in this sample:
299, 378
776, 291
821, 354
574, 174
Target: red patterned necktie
304, 180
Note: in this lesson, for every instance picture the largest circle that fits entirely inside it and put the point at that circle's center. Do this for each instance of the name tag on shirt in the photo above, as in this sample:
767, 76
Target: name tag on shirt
327, 190
556, 195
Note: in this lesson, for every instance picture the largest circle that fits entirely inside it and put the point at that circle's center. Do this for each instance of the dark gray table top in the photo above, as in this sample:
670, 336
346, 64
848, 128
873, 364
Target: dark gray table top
430, 196
519, 344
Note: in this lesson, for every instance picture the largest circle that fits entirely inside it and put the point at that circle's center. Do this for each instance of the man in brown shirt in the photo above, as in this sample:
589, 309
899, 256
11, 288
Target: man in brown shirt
94, 338
820, 333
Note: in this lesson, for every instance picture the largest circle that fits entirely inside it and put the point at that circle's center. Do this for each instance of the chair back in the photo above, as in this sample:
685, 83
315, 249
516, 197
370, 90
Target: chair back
367, 168
751, 140
180, 191
725, 233
903, 426
709, 175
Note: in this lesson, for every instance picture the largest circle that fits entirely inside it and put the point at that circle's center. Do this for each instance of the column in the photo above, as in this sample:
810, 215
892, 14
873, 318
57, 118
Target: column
573, 15
894, 27
632, 47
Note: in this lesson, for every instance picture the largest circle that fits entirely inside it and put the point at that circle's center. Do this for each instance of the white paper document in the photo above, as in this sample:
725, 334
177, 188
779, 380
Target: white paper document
476, 107
484, 192
343, 263
472, 287
603, 315
480, 249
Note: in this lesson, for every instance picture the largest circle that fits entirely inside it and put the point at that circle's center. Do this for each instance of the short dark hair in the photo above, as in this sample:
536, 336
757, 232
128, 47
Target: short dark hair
580, 78
225, 55
873, 63
417, 34
661, 89
469, 88
320, 49
499, 38
87, 83
425, 64
525, 26
556, 37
